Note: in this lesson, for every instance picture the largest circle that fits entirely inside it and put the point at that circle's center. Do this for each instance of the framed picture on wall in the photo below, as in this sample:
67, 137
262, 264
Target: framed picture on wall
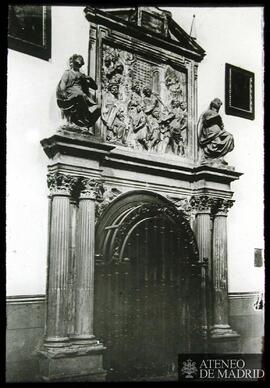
29, 30
239, 92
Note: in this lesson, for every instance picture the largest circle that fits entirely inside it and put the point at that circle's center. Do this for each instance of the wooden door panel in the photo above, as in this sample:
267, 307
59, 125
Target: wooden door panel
141, 306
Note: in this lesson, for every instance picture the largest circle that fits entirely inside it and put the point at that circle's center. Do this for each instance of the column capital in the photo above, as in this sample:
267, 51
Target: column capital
221, 206
92, 188
60, 184
201, 203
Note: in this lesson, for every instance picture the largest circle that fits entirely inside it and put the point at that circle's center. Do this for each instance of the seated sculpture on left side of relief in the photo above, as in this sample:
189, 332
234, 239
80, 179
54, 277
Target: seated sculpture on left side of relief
74, 98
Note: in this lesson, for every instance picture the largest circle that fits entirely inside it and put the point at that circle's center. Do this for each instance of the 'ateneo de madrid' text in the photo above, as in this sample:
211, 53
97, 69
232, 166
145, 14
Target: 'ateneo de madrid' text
229, 369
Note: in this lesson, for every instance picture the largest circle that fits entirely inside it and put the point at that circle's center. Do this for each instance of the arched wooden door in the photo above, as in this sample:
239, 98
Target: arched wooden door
145, 287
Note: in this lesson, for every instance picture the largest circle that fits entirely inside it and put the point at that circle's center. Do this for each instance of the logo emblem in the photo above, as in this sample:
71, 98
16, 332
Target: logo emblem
189, 369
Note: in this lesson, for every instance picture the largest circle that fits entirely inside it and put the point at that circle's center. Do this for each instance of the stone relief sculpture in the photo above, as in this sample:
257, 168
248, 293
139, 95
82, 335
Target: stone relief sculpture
74, 98
214, 141
135, 111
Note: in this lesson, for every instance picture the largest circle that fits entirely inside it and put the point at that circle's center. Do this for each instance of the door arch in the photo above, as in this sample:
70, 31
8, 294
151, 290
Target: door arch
147, 287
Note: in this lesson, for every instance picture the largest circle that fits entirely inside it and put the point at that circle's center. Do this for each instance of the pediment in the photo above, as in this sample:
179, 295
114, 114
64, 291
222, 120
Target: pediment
158, 22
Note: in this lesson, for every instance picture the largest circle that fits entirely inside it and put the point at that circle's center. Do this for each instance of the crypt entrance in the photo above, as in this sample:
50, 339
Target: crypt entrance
146, 298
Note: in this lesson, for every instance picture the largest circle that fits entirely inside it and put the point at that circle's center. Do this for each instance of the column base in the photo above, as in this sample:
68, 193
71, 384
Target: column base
56, 342
223, 339
72, 363
79, 339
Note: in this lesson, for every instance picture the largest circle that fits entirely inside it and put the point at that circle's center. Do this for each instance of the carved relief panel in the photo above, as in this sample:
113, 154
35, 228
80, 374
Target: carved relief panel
143, 103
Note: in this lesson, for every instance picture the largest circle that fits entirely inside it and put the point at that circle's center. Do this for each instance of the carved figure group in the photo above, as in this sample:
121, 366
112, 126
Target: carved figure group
213, 139
146, 123
74, 98
133, 112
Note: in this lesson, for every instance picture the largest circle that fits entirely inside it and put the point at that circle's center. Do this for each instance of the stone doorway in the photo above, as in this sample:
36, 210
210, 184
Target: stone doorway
146, 307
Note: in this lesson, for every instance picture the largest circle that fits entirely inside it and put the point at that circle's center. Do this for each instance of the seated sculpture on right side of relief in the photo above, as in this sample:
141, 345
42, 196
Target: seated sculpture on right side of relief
214, 141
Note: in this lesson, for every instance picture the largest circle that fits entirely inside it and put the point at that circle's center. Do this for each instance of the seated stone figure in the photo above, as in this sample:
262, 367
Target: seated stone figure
213, 139
73, 97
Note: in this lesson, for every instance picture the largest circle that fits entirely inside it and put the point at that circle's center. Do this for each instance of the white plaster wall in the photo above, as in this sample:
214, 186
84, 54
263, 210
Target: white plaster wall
230, 35
235, 35
32, 115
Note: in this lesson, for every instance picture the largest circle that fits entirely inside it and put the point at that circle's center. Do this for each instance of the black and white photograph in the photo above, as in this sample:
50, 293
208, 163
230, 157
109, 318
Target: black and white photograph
135, 193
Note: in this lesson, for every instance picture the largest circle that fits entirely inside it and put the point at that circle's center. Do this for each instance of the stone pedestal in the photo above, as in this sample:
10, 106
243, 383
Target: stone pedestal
74, 363
222, 338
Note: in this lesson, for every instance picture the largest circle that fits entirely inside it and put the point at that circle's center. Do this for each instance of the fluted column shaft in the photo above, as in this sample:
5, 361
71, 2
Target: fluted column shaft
204, 240
203, 229
220, 275
84, 253
58, 260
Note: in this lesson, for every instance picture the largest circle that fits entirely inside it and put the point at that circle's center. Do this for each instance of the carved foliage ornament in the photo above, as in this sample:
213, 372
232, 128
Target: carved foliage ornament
91, 188
213, 205
201, 203
60, 184
221, 205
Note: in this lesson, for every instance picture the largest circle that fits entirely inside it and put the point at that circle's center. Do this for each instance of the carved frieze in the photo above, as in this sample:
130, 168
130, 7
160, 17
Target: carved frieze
60, 184
144, 104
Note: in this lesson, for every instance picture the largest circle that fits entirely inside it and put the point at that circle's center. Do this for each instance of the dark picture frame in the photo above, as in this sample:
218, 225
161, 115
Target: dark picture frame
239, 92
29, 30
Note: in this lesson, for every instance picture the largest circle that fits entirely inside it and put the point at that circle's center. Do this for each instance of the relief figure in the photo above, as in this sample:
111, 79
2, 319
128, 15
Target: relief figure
178, 127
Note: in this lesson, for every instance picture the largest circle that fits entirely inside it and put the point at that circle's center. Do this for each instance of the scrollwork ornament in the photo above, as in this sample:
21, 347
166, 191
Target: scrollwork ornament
60, 184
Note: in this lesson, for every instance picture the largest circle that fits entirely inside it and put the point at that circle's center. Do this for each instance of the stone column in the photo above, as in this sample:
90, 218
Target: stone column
84, 254
56, 328
222, 336
203, 231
